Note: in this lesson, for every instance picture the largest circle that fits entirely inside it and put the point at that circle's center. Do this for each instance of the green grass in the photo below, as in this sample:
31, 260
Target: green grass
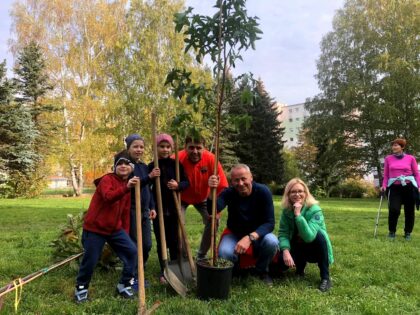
370, 276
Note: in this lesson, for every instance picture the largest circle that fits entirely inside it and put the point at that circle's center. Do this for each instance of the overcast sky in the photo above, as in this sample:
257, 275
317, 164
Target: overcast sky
285, 57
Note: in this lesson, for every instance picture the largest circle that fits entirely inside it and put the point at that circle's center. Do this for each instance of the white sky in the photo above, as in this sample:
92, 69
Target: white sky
285, 57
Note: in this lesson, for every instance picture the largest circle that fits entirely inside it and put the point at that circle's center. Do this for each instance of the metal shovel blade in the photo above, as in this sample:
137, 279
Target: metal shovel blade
174, 281
181, 268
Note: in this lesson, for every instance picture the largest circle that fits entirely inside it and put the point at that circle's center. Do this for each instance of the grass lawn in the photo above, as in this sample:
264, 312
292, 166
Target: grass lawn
370, 276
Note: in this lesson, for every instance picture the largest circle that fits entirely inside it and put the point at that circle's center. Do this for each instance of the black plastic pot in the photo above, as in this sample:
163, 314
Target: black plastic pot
213, 282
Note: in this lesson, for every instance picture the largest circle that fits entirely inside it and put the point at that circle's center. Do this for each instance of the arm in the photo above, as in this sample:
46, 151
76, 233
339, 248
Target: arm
267, 211
108, 190
309, 228
386, 175
415, 170
184, 183
284, 232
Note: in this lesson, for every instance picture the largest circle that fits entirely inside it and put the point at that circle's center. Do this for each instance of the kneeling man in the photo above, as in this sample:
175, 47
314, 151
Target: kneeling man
250, 220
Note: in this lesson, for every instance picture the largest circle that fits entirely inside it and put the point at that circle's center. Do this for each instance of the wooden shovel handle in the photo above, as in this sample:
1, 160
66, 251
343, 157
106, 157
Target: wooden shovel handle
140, 269
159, 194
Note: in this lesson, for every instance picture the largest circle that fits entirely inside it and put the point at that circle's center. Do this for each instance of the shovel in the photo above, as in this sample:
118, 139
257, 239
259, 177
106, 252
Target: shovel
190, 274
140, 269
168, 271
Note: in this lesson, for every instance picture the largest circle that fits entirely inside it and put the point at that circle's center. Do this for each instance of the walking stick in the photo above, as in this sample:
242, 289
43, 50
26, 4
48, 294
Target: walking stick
379, 213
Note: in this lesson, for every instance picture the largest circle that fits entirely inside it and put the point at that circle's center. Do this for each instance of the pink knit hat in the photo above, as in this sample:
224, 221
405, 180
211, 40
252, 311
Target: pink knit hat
165, 137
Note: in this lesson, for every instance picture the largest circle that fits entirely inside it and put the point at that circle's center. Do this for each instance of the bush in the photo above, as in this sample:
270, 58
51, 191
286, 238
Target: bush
276, 189
354, 188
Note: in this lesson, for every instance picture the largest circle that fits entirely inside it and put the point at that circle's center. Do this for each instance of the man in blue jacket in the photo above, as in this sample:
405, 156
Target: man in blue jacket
250, 220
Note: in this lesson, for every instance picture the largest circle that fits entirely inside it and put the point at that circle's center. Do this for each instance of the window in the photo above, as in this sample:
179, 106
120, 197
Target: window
296, 109
290, 110
290, 119
291, 139
297, 119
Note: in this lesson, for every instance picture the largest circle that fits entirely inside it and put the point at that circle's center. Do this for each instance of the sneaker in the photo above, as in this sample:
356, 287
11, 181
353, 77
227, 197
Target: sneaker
325, 285
125, 291
81, 294
135, 284
391, 236
266, 279
407, 236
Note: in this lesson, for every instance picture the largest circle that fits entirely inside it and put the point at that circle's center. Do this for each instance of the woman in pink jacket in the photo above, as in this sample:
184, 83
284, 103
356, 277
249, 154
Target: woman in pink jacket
402, 182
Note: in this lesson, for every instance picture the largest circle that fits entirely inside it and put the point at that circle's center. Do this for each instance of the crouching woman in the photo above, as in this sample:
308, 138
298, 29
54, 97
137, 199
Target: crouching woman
303, 235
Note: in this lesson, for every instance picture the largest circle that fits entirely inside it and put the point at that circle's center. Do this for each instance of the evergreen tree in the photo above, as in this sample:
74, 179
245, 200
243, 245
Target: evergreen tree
17, 139
258, 140
31, 80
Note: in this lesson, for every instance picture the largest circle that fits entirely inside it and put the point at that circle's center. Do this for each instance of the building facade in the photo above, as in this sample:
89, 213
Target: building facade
292, 117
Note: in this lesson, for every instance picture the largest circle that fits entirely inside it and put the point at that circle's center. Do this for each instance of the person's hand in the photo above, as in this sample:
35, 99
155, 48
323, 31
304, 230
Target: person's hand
213, 181
287, 258
154, 173
132, 182
243, 245
383, 189
152, 214
173, 184
297, 207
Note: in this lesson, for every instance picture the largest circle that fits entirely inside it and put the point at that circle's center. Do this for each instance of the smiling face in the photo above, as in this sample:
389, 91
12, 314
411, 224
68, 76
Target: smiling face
297, 194
241, 180
194, 151
164, 149
123, 169
396, 148
136, 150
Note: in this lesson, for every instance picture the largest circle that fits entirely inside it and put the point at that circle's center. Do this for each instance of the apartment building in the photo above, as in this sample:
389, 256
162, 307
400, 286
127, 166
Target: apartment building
292, 117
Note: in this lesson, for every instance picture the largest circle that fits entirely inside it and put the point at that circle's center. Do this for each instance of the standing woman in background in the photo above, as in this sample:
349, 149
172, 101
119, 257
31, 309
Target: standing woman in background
402, 180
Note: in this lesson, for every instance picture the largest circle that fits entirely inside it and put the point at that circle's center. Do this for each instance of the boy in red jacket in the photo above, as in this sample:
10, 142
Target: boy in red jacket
108, 220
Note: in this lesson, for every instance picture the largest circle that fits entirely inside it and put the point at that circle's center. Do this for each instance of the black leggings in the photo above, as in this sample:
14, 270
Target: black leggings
397, 196
313, 252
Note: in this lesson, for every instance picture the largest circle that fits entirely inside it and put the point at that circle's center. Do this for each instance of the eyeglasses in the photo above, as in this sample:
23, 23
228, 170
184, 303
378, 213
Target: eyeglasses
297, 192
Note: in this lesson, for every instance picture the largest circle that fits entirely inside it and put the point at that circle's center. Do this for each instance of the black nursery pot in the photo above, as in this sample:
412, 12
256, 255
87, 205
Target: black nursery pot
213, 282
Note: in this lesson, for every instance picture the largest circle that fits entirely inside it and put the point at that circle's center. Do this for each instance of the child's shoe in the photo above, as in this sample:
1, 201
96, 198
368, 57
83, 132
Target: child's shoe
81, 294
125, 291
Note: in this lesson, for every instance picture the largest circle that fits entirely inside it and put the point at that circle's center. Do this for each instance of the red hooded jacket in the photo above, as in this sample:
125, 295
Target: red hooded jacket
109, 209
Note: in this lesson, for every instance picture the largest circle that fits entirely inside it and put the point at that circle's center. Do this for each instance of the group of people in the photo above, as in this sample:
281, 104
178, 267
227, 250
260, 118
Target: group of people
248, 237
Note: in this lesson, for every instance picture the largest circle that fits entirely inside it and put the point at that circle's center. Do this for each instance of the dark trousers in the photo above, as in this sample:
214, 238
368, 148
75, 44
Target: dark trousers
146, 228
313, 252
93, 244
171, 236
398, 195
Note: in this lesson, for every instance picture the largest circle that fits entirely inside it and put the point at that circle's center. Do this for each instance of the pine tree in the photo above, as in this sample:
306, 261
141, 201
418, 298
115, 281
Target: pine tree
17, 139
31, 80
258, 140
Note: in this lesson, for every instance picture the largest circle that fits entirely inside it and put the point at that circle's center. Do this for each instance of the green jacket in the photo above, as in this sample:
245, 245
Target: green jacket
309, 222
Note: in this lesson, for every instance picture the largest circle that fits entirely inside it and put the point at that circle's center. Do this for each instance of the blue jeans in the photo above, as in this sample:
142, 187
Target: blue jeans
93, 243
146, 229
265, 248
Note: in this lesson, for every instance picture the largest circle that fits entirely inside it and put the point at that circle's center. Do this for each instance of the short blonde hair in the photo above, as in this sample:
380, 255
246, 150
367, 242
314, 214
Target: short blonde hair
309, 200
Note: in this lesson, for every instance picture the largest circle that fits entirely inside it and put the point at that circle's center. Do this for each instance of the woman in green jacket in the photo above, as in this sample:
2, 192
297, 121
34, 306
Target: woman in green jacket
303, 235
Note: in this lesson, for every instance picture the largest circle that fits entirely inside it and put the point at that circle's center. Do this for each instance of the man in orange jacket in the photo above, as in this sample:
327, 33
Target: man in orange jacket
198, 165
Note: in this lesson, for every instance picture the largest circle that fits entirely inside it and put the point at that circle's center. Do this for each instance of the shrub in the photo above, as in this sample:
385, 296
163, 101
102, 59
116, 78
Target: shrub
353, 188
